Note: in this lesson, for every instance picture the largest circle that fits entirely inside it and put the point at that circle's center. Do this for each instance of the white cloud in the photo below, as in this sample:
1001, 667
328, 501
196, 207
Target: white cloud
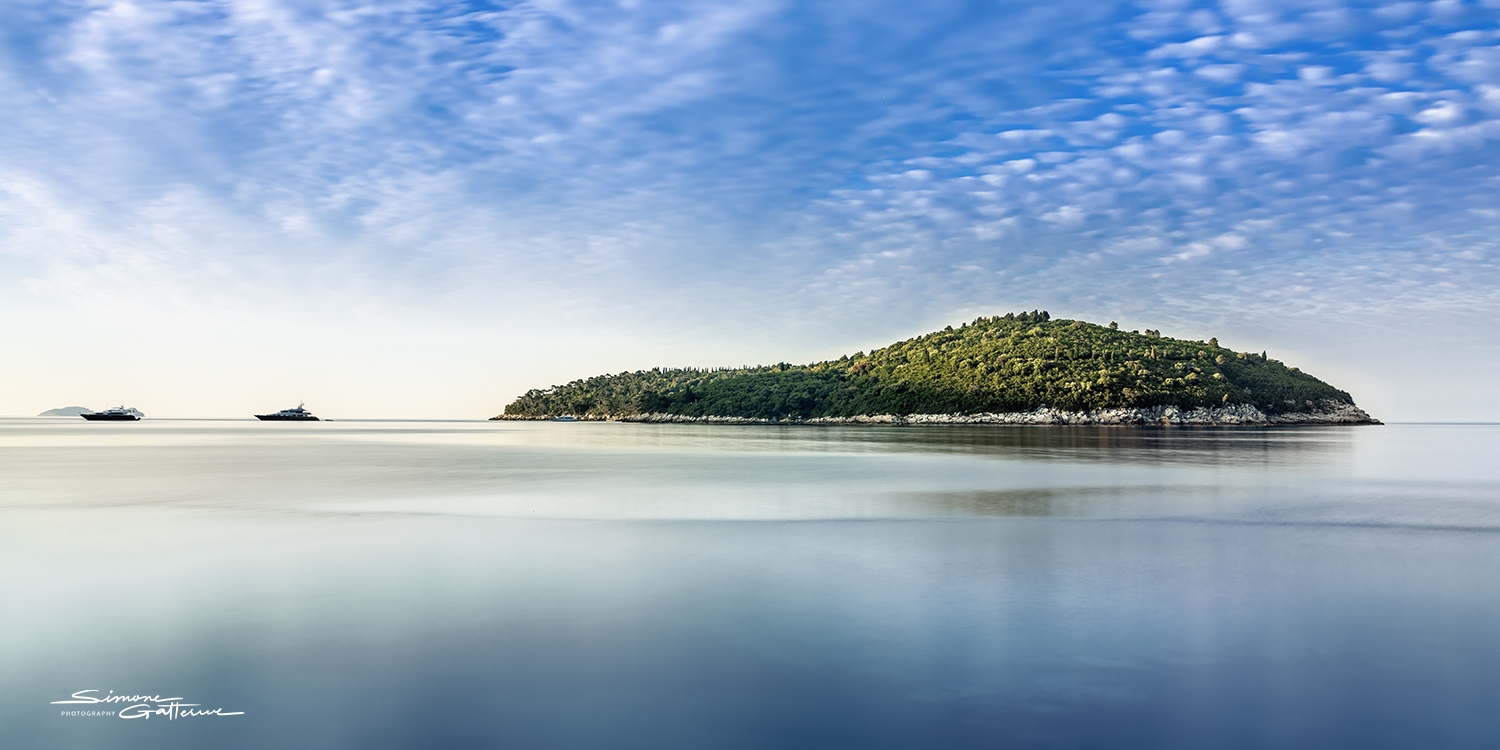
1203, 45
1221, 73
1066, 217
1316, 74
1443, 114
1397, 11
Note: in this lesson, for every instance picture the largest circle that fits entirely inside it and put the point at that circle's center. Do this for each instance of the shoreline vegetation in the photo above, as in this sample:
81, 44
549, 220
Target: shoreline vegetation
1019, 369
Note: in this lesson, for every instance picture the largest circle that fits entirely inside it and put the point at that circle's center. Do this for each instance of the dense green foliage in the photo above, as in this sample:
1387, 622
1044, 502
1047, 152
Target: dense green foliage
1015, 362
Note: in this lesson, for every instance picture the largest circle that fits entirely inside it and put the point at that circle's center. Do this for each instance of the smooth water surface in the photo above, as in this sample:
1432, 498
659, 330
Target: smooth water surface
541, 585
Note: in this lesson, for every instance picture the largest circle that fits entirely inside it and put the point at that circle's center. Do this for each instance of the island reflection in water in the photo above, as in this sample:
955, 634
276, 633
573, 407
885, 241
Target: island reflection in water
425, 584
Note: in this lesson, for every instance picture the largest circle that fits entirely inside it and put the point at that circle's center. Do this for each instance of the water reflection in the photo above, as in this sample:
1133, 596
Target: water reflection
619, 471
1060, 502
1200, 445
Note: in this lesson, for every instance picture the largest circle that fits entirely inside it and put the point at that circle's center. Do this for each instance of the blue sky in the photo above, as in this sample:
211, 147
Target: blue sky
418, 208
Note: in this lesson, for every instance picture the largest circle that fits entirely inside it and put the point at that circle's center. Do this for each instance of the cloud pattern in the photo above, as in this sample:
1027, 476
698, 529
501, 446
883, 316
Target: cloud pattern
857, 159
1253, 156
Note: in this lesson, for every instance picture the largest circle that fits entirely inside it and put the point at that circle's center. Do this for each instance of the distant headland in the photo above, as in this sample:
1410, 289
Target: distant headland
66, 411
1019, 368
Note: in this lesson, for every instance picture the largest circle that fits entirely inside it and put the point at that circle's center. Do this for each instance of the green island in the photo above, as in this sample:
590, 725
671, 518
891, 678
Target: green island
1018, 368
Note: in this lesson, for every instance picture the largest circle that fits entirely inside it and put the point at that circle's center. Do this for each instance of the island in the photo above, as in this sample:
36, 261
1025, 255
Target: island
1018, 368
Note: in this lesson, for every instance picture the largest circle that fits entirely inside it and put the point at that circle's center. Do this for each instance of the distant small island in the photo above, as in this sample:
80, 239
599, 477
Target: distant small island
1019, 368
66, 411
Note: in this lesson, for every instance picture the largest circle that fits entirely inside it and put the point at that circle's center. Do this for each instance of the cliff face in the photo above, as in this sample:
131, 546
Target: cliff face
1017, 369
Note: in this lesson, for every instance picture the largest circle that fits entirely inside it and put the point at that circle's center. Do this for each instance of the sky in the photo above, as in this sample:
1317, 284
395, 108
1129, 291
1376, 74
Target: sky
416, 209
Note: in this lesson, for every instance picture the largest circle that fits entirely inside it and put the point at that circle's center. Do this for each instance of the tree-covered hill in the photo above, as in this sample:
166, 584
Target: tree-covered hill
1009, 363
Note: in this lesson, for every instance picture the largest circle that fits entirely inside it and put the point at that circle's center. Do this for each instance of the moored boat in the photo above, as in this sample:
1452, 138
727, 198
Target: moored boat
298, 414
119, 413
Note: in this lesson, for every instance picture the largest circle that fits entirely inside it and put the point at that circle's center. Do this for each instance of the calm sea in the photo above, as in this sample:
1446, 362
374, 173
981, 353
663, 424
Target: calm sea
372, 585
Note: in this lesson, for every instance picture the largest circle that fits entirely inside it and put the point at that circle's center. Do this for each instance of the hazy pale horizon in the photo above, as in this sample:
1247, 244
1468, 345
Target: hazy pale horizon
422, 209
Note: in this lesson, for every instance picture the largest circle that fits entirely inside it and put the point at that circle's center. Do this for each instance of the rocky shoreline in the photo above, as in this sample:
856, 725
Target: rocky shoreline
1325, 413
